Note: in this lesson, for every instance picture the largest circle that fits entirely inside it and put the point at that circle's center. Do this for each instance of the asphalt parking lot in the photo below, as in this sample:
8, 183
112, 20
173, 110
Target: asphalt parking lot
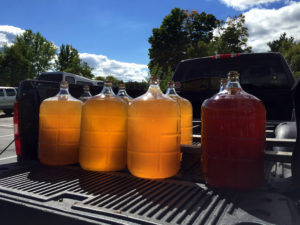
6, 136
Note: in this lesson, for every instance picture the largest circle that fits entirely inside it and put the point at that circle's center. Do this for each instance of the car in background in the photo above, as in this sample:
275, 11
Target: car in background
7, 99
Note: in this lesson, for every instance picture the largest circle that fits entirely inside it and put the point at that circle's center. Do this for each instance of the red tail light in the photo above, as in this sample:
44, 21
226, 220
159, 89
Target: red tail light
225, 56
16, 129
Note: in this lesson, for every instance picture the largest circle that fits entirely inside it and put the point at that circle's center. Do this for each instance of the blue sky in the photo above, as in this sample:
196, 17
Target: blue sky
119, 29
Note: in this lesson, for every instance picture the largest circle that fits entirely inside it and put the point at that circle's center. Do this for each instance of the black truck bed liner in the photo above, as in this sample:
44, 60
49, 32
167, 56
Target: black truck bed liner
69, 195
40, 194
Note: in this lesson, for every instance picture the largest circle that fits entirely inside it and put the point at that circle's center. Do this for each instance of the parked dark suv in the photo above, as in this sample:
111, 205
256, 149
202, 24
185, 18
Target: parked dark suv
264, 75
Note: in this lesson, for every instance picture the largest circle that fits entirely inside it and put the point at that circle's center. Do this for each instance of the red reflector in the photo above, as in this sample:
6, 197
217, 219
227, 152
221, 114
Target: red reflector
16, 129
225, 56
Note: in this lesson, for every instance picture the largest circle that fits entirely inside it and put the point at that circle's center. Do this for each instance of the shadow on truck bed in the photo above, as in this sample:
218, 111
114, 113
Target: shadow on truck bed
70, 194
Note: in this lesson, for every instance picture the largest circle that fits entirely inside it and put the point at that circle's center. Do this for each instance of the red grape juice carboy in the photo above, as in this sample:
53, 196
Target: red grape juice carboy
233, 138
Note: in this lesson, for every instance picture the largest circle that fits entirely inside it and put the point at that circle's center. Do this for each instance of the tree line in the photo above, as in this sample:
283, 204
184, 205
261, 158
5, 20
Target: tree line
182, 35
189, 34
32, 54
290, 49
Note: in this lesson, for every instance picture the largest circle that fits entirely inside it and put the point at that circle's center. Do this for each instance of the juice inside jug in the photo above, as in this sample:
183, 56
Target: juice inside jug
59, 128
233, 138
153, 149
86, 95
186, 114
103, 132
123, 94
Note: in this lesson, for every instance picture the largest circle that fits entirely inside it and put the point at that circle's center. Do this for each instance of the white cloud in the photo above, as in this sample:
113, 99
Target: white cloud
8, 34
121, 70
246, 4
265, 25
102, 65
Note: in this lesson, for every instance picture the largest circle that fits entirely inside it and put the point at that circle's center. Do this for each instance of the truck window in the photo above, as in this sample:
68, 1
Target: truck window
84, 83
255, 72
269, 75
1, 92
10, 92
51, 77
70, 80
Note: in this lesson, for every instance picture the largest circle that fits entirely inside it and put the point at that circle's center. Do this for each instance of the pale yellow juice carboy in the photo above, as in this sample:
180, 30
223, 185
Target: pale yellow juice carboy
186, 115
104, 132
86, 95
153, 149
59, 128
123, 94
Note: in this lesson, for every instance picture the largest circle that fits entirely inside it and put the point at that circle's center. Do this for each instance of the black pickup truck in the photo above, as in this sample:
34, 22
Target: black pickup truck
31, 193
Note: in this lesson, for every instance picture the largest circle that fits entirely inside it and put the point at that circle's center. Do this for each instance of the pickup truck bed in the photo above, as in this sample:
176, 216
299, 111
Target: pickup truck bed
41, 194
31, 193
68, 195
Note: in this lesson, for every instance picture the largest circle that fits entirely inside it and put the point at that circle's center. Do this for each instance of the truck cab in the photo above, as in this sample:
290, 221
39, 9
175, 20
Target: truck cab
264, 75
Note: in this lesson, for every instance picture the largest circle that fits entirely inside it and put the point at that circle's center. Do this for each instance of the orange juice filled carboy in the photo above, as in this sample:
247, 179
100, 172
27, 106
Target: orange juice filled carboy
103, 132
186, 114
123, 94
153, 149
233, 138
86, 95
59, 128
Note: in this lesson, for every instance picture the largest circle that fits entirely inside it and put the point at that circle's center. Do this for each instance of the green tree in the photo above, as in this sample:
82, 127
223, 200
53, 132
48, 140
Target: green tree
169, 42
290, 49
14, 67
178, 36
86, 70
282, 44
68, 61
26, 58
164, 76
292, 56
36, 49
115, 81
233, 36
199, 27
200, 50
100, 78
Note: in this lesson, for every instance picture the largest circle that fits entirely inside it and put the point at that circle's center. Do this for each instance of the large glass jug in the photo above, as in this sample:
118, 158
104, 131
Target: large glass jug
223, 82
59, 128
233, 138
86, 95
123, 94
103, 132
153, 149
186, 114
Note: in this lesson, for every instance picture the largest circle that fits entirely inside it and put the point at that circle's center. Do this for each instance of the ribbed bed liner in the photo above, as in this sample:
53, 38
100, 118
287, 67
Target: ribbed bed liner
120, 198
